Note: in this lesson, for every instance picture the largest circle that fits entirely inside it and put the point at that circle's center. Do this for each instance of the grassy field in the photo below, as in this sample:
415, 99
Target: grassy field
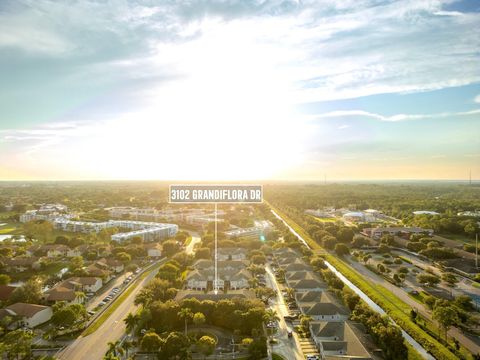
458, 237
397, 309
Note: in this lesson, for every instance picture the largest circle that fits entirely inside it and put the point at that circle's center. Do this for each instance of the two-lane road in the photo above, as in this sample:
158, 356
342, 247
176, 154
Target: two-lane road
289, 348
94, 346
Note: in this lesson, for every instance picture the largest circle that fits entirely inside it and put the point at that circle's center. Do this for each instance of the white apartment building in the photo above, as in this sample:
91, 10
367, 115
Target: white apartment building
261, 227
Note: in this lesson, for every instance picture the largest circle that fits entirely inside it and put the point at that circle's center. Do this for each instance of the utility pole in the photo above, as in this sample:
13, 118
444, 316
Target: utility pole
215, 285
470, 178
476, 250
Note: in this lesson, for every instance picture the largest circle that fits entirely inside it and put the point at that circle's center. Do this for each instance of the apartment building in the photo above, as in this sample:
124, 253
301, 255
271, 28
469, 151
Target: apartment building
259, 228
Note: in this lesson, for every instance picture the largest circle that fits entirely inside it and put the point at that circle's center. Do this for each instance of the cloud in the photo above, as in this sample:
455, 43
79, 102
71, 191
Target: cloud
324, 50
477, 99
392, 118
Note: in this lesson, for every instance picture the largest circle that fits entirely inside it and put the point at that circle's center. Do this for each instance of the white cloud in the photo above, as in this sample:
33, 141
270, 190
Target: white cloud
397, 117
477, 99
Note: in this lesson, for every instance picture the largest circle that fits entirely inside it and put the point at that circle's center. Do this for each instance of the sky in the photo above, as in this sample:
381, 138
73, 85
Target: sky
239, 90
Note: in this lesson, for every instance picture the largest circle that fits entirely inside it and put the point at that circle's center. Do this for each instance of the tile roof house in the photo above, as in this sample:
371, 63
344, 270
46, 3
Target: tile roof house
20, 264
6, 291
202, 295
29, 315
325, 311
57, 250
297, 266
308, 296
307, 285
111, 264
97, 270
338, 340
232, 274
226, 254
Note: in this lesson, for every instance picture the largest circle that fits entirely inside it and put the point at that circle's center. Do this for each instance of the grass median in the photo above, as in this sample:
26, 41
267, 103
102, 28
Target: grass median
109, 311
396, 309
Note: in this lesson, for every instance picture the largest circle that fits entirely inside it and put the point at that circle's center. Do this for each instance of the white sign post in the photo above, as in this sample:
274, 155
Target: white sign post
224, 194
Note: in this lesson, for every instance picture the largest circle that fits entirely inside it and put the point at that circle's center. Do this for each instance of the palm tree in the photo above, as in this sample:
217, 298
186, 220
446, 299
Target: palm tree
115, 348
127, 345
131, 321
270, 316
185, 314
290, 292
80, 295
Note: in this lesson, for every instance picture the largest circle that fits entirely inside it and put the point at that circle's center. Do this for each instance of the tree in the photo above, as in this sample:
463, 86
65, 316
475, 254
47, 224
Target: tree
170, 248
345, 235
64, 316
258, 348
203, 253
258, 259
270, 316
76, 264
206, 345
185, 314
199, 319
131, 321
18, 343
359, 241
329, 242
176, 346
342, 249
115, 348
124, 257
265, 294
4, 279
428, 279
151, 342
446, 316
450, 279
30, 292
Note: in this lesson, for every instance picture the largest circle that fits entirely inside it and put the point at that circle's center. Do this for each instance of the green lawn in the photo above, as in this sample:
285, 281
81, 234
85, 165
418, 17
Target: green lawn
276, 356
458, 237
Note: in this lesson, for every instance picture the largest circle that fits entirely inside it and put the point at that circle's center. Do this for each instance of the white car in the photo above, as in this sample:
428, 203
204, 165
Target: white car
312, 357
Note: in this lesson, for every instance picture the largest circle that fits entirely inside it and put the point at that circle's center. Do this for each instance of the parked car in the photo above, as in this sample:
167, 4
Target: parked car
312, 357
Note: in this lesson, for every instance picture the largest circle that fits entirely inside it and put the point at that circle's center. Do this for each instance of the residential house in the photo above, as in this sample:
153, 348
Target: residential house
87, 284
29, 315
231, 275
338, 340
57, 250
20, 264
328, 309
6, 291
78, 251
69, 290
96, 270
111, 264
235, 254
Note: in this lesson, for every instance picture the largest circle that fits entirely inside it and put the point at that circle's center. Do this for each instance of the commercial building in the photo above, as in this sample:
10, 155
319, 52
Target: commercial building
377, 233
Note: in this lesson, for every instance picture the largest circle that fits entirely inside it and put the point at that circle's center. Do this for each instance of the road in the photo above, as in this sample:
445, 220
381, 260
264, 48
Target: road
469, 342
189, 249
94, 346
289, 348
